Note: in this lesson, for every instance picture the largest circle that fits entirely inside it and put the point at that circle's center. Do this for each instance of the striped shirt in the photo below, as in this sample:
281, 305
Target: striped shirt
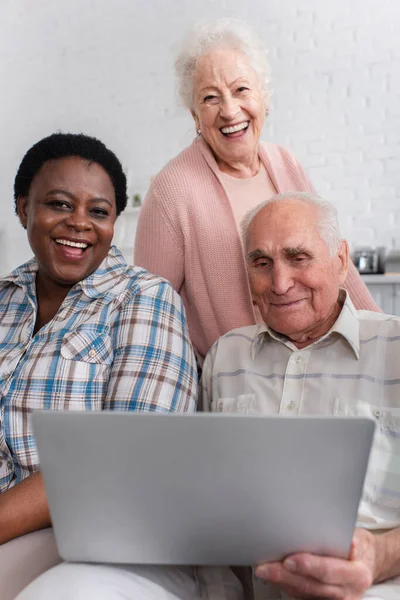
119, 341
352, 370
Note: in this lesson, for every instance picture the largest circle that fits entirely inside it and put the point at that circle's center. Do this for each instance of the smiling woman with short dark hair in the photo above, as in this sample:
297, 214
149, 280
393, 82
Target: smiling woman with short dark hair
78, 330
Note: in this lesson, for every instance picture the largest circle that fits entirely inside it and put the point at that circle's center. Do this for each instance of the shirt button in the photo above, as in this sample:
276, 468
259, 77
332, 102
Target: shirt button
291, 405
6, 376
298, 359
9, 465
377, 413
220, 406
92, 353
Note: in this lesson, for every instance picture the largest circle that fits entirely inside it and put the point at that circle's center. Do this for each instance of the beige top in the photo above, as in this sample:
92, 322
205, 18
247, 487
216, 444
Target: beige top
353, 370
246, 194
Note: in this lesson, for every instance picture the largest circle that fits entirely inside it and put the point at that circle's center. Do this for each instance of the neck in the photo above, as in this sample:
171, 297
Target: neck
306, 338
50, 296
240, 169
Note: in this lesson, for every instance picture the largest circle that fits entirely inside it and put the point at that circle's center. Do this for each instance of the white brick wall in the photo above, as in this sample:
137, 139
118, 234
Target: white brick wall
106, 68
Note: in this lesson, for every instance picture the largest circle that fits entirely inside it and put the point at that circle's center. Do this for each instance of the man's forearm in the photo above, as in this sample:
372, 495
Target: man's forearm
23, 509
387, 551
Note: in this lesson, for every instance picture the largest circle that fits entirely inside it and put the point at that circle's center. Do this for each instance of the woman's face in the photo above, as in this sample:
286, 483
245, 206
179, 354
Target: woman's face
69, 215
229, 106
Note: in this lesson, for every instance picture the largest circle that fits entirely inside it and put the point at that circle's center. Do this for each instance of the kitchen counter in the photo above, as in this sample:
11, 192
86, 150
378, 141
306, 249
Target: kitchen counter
385, 290
378, 279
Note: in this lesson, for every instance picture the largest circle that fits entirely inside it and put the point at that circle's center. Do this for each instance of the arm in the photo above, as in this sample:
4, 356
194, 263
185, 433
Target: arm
373, 559
154, 367
23, 509
359, 293
158, 247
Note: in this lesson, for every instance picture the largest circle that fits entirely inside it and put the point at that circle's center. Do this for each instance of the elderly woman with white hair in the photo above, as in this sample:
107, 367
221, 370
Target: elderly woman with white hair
188, 225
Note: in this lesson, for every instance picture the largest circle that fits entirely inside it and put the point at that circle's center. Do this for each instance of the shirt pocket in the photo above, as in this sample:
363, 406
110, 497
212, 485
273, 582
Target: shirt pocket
382, 482
242, 404
88, 345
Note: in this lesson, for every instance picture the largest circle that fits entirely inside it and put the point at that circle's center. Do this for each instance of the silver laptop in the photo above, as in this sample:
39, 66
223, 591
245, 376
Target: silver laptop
201, 489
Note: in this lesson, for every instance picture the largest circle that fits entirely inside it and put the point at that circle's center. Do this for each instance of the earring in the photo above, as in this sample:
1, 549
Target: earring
198, 131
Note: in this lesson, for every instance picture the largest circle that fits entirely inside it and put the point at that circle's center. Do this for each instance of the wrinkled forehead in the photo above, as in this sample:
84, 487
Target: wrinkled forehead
285, 224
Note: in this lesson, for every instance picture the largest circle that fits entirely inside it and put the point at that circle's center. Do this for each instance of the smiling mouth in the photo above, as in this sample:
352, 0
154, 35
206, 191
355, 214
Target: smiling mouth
72, 250
82, 245
235, 128
287, 304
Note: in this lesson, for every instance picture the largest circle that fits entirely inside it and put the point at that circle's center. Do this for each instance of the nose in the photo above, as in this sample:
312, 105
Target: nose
281, 279
229, 108
78, 220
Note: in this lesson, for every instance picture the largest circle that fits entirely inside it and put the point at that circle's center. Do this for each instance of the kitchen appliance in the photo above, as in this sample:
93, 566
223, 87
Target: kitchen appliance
369, 259
393, 261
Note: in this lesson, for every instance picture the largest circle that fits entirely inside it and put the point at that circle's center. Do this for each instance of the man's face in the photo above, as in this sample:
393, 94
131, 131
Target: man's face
294, 280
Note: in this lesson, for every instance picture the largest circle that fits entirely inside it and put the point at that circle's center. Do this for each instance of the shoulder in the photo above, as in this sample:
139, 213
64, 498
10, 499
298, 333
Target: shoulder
277, 153
141, 286
180, 172
379, 324
235, 341
19, 280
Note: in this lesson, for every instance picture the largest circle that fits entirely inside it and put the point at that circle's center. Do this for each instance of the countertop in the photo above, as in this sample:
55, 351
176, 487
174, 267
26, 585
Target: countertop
379, 279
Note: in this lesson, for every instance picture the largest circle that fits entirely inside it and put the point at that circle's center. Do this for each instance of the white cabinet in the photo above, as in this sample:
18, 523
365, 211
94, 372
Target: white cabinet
385, 289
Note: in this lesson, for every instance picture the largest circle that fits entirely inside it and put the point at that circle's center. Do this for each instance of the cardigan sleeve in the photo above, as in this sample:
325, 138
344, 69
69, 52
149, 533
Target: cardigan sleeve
157, 247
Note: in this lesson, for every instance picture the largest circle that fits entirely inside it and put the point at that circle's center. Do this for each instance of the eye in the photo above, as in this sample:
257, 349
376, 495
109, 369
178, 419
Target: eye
210, 99
298, 260
242, 88
59, 204
262, 263
101, 213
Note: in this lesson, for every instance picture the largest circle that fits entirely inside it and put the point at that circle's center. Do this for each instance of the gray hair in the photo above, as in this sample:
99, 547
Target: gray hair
207, 35
328, 223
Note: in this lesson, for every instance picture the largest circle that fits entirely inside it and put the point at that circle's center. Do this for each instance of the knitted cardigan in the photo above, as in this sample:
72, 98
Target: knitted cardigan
187, 233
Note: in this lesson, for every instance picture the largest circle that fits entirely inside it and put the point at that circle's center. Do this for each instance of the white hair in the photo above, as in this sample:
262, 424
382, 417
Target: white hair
207, 35
328, 223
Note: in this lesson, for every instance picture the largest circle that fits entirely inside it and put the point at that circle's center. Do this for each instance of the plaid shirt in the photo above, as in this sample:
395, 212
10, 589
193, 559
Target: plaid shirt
119, 342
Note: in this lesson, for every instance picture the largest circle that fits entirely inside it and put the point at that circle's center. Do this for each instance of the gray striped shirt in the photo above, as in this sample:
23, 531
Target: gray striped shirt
352, 370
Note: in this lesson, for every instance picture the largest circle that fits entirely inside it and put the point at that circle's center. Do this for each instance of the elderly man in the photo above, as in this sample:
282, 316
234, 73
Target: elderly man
313, 353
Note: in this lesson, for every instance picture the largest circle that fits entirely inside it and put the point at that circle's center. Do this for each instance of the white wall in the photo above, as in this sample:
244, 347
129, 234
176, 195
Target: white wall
106, 68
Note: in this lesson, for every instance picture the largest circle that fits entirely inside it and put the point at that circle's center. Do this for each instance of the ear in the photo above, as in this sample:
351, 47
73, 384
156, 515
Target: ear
343, 256
22, 210
196, 119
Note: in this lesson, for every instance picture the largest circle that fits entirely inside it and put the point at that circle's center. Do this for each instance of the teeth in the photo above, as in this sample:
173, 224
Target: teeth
235, 128
74, 244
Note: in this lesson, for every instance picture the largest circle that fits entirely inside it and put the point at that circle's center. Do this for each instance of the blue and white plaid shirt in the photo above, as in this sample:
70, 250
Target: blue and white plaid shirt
119, 341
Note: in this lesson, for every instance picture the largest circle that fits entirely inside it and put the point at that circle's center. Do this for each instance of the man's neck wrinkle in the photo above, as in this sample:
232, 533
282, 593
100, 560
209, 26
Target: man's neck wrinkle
306, 338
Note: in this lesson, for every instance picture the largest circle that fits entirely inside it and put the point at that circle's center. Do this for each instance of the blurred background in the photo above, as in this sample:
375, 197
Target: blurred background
106, 69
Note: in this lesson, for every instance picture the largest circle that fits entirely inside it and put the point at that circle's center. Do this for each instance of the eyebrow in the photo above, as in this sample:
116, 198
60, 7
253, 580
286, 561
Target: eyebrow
295, 251
69, 195
257, 253
290, 252
214, 87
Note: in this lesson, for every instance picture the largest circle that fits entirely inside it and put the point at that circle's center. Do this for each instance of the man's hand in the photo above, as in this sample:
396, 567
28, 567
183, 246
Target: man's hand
310, 576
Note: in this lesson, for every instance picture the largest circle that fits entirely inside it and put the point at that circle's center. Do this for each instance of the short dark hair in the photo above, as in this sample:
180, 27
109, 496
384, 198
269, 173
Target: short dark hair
63, 145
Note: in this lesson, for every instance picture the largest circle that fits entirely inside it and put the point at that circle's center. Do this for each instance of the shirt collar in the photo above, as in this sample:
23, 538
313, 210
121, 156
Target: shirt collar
346, 325
95, 285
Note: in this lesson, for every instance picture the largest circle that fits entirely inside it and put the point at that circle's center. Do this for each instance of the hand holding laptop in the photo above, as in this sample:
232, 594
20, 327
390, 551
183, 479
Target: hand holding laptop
323, 576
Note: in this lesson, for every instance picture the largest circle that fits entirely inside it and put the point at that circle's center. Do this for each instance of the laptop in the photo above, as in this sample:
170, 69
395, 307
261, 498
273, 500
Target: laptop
201, 489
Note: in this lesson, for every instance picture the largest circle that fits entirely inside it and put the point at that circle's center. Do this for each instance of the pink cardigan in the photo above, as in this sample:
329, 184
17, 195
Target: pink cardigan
187, 233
